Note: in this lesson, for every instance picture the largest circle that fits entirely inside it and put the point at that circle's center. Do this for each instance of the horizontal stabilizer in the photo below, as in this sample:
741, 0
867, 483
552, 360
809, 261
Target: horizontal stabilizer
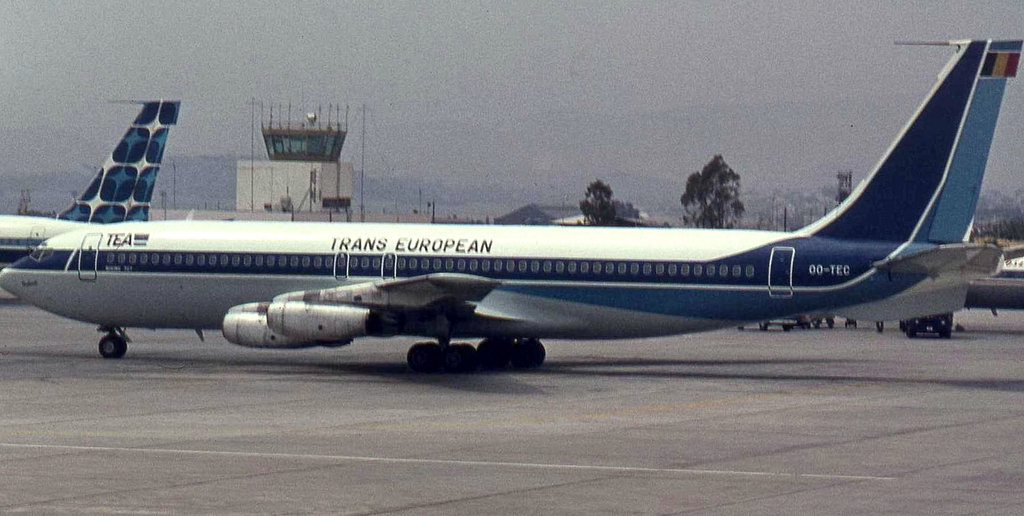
971, 259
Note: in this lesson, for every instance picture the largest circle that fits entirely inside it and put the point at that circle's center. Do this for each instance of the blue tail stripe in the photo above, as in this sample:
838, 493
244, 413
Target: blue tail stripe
892, 204
951, 218
1006, 46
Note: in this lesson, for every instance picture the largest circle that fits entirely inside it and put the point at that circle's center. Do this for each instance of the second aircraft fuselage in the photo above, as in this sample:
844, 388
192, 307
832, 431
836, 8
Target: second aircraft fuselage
19, 234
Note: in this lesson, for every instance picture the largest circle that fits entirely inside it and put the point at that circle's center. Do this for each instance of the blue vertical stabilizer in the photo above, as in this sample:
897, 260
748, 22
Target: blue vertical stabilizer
926, 186
950, 218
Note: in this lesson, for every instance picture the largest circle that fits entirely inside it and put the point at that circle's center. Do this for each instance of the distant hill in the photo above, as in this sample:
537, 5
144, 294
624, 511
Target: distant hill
202, 182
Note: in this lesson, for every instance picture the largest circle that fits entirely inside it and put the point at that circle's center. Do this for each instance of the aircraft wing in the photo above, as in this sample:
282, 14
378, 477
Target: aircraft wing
978, 260
334, 316
416, 293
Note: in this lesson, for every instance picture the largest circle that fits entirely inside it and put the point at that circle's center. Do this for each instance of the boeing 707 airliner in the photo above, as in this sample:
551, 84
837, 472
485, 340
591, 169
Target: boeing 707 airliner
122, 189
893, 250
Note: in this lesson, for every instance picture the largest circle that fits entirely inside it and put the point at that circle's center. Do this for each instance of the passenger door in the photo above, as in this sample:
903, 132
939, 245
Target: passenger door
388, 266
341, 266
88, 256
780, 272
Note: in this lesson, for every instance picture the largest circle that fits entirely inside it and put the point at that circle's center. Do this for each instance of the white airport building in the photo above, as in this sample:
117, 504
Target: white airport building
303, 173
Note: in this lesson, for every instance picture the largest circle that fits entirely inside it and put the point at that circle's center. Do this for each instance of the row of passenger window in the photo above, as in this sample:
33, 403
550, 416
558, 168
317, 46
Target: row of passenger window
220, 260
499, 265
388, 265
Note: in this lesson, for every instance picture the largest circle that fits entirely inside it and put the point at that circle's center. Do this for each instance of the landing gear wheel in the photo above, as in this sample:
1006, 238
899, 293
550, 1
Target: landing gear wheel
424, 357
831, 322
460, 358
528, 353
113, 346
880, 326
494, 353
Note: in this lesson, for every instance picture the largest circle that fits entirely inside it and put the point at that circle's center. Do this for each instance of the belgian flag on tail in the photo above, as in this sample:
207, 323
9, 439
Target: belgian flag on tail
1000, 64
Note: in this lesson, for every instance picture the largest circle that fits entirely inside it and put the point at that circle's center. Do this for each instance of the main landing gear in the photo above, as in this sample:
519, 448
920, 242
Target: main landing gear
114, 344
495, 354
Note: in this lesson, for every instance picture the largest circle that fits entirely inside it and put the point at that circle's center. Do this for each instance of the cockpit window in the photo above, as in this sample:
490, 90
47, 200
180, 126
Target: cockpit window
41, 253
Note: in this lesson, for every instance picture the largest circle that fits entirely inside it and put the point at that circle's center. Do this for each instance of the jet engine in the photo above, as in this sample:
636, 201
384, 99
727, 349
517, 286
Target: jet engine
319, 322
246, 325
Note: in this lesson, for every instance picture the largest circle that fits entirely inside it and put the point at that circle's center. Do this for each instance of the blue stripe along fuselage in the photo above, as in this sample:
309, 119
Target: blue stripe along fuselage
825, 272
14, 249
13, 255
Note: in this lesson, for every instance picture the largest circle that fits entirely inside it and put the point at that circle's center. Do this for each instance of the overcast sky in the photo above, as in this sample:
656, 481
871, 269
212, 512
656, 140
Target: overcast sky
488, 75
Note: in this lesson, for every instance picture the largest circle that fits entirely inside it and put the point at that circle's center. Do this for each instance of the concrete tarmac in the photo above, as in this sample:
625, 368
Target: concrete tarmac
730, 422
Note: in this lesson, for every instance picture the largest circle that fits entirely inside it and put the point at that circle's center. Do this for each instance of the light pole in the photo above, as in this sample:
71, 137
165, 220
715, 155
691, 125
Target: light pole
174, 184
252, 155
362, 170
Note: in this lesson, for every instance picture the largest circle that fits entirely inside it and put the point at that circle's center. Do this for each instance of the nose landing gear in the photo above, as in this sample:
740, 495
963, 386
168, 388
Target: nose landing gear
114, 344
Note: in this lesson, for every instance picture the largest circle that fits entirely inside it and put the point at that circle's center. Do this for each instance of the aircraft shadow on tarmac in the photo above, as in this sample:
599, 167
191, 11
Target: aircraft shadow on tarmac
705, 369
308, 368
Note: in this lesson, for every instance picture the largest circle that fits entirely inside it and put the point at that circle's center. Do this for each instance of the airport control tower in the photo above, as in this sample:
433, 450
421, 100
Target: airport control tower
304, 173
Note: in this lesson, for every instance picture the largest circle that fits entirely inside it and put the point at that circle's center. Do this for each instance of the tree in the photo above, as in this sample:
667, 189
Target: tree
712, 196
598, 208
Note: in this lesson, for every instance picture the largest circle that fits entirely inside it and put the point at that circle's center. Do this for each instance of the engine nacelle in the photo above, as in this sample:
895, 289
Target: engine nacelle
246, 325
319, 323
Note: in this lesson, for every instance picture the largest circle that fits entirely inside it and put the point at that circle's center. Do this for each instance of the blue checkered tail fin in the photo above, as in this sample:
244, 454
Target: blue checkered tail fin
123, 189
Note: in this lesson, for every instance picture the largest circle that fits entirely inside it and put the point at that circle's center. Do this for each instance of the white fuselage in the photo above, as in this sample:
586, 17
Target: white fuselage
574, 282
